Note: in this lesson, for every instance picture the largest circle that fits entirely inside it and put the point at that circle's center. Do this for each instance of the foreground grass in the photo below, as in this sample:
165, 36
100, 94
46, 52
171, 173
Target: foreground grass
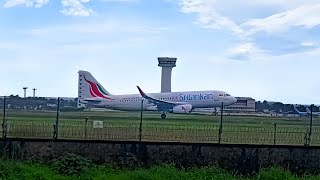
19, 170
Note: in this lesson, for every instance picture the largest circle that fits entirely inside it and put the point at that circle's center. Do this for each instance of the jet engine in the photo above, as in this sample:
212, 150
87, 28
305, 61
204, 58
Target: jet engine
186, 108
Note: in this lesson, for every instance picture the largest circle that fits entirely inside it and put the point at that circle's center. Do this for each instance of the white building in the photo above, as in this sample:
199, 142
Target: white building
243, 105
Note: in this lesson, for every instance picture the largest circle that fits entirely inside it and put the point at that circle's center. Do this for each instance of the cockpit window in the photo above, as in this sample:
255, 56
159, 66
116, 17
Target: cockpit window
227, 94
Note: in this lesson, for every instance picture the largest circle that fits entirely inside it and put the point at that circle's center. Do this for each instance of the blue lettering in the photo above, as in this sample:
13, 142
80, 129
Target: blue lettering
195, 97
181, 97
206, 96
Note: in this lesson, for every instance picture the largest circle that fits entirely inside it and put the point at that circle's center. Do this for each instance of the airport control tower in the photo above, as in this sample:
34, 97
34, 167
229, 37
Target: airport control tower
167, 63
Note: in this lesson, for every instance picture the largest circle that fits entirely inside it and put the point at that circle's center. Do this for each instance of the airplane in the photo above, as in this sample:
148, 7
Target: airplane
299, 112
92, 93
313, 113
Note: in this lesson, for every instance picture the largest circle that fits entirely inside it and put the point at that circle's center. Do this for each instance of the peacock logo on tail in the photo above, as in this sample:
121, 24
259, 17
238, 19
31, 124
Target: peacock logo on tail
96, 90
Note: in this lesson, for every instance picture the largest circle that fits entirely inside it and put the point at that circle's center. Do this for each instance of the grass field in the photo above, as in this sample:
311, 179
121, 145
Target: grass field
28, 170
177, 127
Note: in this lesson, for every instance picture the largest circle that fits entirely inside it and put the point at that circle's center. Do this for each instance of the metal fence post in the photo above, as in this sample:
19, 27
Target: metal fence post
140, 128
56, 125
274, 133
310, 129
306, 137
220, 128
4, 122
85, 128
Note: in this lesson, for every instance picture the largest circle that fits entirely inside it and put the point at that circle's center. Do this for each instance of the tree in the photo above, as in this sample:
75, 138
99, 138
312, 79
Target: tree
265, 105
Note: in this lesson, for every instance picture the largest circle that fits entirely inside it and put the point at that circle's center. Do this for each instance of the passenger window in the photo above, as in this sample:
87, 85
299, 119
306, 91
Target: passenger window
220, 94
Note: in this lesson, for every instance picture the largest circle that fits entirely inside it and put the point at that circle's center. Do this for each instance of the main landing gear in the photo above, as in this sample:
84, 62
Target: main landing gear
163, 116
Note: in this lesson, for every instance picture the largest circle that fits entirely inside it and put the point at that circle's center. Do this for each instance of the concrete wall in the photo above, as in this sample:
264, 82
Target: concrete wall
246, 159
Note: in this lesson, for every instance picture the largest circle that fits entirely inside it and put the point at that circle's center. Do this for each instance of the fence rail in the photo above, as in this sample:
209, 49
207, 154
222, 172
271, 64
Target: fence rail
158, 132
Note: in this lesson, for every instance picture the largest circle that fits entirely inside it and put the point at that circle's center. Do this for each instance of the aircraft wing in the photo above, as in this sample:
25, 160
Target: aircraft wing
161, 104
94, 100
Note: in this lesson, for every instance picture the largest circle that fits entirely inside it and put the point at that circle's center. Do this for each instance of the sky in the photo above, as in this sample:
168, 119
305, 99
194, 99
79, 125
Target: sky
267, 50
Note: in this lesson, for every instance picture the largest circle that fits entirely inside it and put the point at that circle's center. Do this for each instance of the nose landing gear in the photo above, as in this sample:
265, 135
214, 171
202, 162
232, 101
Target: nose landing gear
163, 116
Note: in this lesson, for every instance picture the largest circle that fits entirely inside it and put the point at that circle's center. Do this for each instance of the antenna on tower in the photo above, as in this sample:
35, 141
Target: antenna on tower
25, 91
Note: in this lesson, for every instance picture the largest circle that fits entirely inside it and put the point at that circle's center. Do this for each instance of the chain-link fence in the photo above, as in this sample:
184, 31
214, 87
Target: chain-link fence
57, 119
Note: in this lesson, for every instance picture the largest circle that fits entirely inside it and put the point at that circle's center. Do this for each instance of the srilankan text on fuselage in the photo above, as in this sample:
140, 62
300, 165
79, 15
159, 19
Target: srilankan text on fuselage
192, 97
177, 97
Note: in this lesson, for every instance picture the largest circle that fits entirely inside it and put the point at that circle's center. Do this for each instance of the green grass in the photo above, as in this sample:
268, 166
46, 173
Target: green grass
177, 127
20, 170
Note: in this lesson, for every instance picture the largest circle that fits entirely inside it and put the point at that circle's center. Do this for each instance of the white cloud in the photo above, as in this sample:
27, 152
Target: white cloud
119, 0
281, 3
27, 3
308, 44
285, 16
75, 8
245, 51
306, 16
208, 16
93, 29
70, 7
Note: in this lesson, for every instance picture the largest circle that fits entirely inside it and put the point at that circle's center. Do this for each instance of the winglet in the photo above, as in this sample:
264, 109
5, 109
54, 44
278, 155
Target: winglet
141, 92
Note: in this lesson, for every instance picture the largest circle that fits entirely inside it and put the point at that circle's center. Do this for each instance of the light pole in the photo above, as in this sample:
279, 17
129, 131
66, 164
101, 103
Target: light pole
34, 92
25, 91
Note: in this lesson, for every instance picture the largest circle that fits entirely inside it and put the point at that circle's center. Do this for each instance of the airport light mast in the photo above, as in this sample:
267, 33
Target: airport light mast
34, 92
25, 91
167, 63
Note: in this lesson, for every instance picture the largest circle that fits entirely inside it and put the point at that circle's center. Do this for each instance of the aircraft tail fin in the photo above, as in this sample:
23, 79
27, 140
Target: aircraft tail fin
296, 109
308, 110
89, 87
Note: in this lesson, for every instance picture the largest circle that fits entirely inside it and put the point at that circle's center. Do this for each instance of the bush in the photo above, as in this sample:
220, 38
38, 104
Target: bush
8, 169
276, 173
17, 170
71, 164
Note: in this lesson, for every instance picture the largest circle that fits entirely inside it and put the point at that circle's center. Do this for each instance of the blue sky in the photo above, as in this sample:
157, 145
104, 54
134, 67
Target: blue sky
268, 50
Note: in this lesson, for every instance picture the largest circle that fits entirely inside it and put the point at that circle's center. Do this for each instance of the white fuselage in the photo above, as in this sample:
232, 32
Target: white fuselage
198, 99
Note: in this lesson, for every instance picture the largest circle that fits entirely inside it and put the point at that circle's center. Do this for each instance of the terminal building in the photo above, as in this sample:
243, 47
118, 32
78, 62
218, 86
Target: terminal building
243, 105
